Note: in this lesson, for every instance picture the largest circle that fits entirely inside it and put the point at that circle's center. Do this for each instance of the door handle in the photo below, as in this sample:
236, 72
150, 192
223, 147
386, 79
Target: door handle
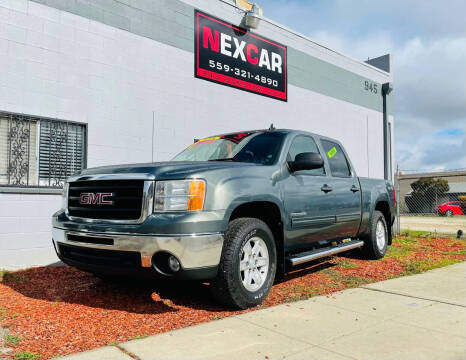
325, 188
354, 188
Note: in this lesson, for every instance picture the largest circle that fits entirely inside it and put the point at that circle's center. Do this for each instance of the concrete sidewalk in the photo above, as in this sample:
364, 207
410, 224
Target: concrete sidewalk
410, 318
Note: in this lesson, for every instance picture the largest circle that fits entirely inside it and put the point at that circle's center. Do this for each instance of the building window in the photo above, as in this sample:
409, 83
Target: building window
39, 152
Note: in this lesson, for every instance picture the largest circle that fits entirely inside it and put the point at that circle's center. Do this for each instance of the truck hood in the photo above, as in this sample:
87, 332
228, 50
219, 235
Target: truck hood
168, 169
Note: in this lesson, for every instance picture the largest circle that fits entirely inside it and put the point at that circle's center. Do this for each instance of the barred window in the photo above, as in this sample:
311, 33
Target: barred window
39, 152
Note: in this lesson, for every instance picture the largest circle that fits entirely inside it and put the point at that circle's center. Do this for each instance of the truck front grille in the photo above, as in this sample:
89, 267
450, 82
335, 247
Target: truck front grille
106, 199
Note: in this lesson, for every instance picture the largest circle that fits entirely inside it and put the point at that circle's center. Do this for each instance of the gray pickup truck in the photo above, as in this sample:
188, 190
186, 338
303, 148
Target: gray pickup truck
236, 210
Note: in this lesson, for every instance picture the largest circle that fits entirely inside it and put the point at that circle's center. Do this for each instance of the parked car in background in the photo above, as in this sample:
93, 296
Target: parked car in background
449, 209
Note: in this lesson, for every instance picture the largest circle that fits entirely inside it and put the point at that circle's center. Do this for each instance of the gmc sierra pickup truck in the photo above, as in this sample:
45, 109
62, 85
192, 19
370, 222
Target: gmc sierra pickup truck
235, 210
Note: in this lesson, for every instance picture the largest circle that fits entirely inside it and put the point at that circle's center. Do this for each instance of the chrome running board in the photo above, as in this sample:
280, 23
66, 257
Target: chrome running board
300, 258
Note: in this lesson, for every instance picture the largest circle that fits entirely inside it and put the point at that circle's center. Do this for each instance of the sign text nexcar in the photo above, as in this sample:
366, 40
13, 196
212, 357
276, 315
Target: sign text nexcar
227, 54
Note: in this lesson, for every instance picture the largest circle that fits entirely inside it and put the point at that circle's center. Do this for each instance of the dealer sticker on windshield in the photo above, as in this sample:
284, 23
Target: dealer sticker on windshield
331, 153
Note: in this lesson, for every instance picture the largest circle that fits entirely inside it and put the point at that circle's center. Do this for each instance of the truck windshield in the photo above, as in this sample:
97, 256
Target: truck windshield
260, 147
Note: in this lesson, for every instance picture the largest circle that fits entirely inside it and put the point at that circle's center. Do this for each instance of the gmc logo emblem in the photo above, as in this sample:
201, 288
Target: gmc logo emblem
95, 199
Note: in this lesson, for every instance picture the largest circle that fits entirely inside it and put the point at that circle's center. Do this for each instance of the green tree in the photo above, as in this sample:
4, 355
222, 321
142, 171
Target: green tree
425, 194
425, 186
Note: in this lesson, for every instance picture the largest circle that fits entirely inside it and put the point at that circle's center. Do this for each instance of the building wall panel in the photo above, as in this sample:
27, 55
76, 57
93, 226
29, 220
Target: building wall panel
125, 85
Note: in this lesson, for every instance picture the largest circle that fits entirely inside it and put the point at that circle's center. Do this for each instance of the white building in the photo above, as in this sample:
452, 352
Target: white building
97, 82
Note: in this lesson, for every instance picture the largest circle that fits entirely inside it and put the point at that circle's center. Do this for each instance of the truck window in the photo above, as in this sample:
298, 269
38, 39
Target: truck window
260, 147
339, 165
303, 144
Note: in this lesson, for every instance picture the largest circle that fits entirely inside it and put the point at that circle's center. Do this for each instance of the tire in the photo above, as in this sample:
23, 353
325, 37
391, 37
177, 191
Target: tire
448, 213
375, 247
245, 288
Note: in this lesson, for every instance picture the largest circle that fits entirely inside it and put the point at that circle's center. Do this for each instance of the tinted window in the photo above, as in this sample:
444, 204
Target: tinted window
262, 149
302, 144
336, 159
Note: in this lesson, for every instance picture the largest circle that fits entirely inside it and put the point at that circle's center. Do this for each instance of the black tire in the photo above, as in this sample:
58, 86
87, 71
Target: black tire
228, 287
370, 248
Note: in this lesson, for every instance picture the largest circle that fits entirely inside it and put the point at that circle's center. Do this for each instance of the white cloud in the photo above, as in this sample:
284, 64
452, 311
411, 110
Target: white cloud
430, 94
373, 45
432, 79
403, 19
428, 42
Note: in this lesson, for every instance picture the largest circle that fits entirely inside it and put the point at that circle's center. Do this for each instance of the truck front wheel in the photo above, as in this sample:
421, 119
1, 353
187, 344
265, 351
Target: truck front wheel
248, 264
376, 241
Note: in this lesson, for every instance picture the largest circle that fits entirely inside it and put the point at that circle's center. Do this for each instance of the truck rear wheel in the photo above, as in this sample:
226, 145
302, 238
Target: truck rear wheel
248, 264
376, 242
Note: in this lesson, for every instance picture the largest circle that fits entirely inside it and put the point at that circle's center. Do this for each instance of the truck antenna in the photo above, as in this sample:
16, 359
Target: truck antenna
271, 127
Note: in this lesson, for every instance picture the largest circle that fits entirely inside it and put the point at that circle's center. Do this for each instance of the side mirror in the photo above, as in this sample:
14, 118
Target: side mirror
306, 161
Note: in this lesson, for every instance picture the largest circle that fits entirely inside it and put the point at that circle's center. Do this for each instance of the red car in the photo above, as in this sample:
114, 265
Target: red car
450, 208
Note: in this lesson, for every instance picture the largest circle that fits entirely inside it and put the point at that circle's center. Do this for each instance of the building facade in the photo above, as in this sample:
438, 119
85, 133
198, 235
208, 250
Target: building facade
91, 83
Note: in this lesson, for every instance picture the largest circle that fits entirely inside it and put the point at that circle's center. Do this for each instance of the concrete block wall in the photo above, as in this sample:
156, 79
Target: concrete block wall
86, 64
25, 238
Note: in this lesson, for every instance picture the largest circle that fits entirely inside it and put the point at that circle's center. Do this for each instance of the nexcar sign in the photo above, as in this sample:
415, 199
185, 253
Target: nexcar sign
227, 54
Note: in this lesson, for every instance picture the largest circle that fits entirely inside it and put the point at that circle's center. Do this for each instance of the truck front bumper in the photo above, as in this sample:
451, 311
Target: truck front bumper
197, 254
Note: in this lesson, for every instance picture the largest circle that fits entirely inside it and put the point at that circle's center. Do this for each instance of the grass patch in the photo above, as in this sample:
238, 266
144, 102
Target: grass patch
12, 340
26, 355
143, 336
11, 276
349, 281
415, 233
4, 274
424, 234
302, 292
344, 263
330, 272
407, 241
334, 275
420, 266
353, 281
398, 253
2, 313
458, 252
295, 298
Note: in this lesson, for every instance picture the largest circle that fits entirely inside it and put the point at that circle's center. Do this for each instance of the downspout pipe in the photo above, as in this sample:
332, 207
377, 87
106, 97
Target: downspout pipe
386, 90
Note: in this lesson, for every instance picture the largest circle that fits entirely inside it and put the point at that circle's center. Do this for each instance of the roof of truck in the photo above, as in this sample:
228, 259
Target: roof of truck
286, 131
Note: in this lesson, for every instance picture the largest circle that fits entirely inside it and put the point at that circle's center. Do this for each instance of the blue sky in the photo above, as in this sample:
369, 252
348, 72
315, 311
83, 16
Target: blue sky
427, 39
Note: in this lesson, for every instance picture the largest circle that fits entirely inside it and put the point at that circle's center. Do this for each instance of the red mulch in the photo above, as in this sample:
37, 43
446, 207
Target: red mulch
374, 270
60, 310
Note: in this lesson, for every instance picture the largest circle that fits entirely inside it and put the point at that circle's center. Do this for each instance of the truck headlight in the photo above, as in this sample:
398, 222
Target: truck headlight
178, 195
64, 196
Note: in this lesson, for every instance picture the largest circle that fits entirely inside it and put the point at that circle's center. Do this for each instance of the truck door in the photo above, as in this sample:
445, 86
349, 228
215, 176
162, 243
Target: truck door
308, 199
346, 190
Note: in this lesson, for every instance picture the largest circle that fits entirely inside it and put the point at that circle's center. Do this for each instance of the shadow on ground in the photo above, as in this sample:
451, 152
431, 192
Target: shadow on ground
141, 296
69, 285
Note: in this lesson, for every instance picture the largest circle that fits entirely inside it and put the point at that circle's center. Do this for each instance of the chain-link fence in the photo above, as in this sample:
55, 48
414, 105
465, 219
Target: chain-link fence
431, 201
